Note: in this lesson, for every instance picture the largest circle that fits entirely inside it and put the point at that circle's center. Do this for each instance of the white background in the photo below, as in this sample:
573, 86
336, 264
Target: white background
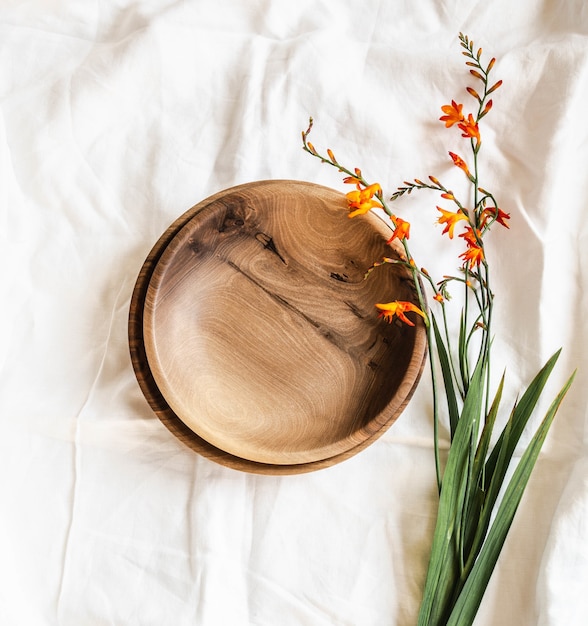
118, 116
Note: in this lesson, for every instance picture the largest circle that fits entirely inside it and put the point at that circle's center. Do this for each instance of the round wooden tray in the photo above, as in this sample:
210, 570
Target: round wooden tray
254, 335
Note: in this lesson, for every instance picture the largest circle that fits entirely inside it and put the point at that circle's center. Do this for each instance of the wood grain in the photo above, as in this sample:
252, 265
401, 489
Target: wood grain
259, 333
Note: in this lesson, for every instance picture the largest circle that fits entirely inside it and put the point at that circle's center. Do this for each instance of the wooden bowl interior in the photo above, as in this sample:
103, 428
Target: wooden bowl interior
260, 329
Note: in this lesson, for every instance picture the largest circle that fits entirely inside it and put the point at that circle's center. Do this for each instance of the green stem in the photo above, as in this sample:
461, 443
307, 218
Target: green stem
435, 408
488, 333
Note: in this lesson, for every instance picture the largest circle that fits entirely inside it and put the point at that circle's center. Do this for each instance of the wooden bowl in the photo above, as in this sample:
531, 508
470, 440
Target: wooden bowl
254, 335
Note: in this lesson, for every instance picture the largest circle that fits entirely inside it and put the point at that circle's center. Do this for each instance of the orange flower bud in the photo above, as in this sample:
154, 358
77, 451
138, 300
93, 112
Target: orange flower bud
494, 87
473, 93
459, 162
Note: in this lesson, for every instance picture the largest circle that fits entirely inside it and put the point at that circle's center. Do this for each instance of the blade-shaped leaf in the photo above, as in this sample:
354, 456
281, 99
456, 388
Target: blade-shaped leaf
447, 378
501, 456
520, 417
485, 515
484, 444
477, 494
443, 570
469, 600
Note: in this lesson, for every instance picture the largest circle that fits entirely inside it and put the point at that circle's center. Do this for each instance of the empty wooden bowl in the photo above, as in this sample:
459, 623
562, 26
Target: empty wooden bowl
254, 334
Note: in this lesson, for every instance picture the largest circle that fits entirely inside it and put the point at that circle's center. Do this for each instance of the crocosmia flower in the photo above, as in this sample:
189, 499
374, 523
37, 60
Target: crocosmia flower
361, 200
495, 214
399, 308
453, 114
450, 219
474, 254
469, 127
401, 229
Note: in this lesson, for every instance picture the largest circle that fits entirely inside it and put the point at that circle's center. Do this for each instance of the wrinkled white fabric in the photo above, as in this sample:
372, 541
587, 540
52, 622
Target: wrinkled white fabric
116, 117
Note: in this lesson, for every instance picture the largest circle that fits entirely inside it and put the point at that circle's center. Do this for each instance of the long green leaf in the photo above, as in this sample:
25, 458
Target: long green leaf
443, 570
501, 455
471, 489
520, 417
484, 444
469, 600
447, 378
477, 494
485, 515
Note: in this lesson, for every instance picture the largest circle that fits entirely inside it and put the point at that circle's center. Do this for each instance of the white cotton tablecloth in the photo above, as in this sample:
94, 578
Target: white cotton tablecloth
118, 116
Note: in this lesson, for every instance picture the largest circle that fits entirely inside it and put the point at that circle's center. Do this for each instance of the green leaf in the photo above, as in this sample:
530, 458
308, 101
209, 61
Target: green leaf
471, 595
447, 379
484, 444
519, 418
444, 570
477, 494
502, 453
485, 514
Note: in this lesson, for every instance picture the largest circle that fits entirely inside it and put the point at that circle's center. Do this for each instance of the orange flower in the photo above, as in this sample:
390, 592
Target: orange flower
474, 254
470, 128
495, 214
459, 162
399, 308
361, 199
401, 229
450, 219
453, 114
470, 238
438, 297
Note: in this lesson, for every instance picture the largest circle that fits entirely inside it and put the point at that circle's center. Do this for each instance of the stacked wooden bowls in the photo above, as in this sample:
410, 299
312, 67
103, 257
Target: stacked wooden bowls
253, 331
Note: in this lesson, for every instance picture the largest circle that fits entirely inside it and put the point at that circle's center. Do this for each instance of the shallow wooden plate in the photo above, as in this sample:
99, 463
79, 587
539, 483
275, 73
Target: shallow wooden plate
254, 333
